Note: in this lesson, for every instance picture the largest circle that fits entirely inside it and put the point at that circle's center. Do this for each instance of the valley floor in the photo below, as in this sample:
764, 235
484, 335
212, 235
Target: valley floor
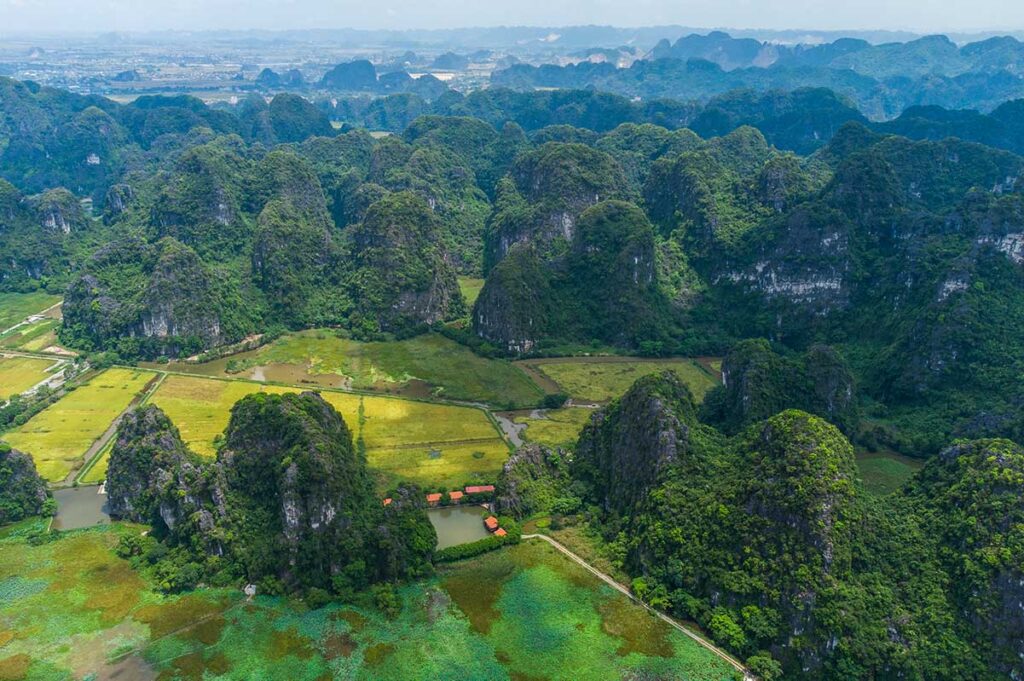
71, 607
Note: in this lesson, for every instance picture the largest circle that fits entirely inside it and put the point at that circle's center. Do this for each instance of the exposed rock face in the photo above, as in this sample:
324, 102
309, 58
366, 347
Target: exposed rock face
33, 234
604, 286
288, 497
549, 189
758, 383
402, 277
531, 481
22, 491
513, 309
626, 447
59, 211
180, 301
154, 479
117, 200
181, 307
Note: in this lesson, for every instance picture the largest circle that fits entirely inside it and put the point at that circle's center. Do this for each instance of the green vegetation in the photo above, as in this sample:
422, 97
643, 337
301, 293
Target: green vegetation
430, 444
556, 428
32, 337
470, 287
748, 534
601, 379
16, 307
885, 472
288, 503
18, 374
426, 365
498, 616
59, 436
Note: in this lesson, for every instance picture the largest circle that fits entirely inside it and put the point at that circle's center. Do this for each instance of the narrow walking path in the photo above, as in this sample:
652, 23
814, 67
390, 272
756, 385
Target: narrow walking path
621, 588
31, 319
95, 450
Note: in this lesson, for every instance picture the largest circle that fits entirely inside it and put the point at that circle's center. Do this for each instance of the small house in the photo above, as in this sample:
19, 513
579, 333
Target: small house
500, 532
387, 502
455, 496
479, 489
491, 523
434, 499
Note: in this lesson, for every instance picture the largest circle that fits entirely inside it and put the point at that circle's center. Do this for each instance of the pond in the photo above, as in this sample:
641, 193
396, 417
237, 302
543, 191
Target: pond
458, 524
79, 507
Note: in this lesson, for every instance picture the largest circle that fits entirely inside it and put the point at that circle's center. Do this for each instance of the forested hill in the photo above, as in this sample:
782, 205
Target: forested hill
207, 226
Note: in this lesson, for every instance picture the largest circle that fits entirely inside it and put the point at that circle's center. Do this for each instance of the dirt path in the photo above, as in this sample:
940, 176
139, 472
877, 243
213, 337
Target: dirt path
700, 640
513, 431
96, 448
31, 319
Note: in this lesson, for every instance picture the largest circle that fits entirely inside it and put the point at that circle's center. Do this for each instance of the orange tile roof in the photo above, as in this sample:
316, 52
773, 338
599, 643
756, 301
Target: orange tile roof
455, 496
500, 532
387, 501
477, 489
491, 523
431, 498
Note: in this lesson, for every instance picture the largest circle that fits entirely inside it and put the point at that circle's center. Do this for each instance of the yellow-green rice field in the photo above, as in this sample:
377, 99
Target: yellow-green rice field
58, 437
431, 444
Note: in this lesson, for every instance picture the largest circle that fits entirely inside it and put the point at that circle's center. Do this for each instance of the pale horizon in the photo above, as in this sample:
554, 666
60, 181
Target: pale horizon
86, 16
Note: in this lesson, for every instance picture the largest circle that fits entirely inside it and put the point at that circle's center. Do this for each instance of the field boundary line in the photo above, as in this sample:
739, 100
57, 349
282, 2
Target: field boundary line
499, 434
100, 444
621, 588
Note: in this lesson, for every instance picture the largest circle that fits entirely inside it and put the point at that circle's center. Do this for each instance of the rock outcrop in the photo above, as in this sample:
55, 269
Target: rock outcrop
533, 480
22, 492
627, 446
402, 277
153, 478
288, 498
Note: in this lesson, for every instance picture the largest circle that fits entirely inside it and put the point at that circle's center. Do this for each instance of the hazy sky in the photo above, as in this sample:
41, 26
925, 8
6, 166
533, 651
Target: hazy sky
917, 15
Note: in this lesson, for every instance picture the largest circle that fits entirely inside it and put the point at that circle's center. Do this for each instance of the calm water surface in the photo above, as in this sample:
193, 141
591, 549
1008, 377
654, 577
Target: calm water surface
79, 507
458, 524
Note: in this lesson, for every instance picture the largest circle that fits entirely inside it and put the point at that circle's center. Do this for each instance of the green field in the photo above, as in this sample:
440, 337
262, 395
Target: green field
33, 337
15, 307
18, 374
59, 436
71, 609
600, 379
885, 472
431, 444
429, 365
557, 427
470, 288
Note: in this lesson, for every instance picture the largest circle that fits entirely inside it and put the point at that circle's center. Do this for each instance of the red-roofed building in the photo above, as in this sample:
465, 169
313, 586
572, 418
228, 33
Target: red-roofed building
500, 532
434, 499
479, 489
455, 495
491, 523
387, 501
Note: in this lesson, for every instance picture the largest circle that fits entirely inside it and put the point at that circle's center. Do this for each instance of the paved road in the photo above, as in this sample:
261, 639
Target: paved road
657, 613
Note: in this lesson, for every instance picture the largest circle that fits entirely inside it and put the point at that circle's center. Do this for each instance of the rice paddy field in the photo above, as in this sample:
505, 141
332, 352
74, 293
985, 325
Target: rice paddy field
431, 444
71, 609
15, 307
33, 337
555, 427
429, 365
58, 437
18, 374
601, 379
